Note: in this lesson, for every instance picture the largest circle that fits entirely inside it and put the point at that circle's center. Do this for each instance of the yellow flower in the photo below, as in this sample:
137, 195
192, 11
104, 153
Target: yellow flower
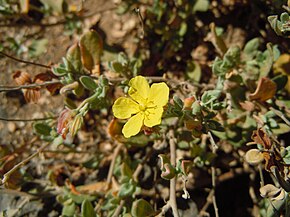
145, 107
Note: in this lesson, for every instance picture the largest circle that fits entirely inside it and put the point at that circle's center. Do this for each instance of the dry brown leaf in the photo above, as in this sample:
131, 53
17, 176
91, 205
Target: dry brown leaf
260, 137
265, 90
247, 105
22, 78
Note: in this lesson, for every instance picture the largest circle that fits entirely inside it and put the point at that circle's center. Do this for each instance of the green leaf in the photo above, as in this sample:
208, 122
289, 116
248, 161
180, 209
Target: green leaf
126, 190
280, 80
141, 208
193, 71
214, 125
69, 209
42, 129
88, 83
251, 47
59, 71
178, 102
116, 67
91, 46
201, 5
183, 29
56, 5
73, 55
87, 209
210, 96
282, 129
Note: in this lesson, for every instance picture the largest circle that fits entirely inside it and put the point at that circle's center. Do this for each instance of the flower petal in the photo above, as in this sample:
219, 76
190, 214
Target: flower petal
153, 116
139, 89
159, 94
133, 126
124, 108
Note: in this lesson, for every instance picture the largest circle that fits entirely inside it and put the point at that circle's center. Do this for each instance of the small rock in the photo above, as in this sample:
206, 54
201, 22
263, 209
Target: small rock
11, 127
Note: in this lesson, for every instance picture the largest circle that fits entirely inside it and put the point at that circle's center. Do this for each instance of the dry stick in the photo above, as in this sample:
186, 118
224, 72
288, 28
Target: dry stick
172, 195
203, 212
17, 166
27, 86
111, 169
172, 191
213, 176
24, 61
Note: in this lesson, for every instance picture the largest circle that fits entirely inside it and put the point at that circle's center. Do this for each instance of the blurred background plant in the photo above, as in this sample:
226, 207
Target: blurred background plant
221, 148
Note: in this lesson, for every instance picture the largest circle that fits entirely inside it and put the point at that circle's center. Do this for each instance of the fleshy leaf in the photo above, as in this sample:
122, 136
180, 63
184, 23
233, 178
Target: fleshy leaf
88, 83
91, 46
142, 208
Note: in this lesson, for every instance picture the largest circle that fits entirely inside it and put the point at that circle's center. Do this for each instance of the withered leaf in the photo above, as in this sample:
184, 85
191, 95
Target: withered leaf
22, 78
260, 137
265, 90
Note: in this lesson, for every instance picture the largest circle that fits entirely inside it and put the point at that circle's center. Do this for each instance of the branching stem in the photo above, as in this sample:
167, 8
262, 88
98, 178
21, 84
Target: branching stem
17, 166
213, 175
24, 61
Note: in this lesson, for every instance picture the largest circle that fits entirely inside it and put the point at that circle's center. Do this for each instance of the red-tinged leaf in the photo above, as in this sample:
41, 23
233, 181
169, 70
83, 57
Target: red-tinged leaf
266, 89
91, 46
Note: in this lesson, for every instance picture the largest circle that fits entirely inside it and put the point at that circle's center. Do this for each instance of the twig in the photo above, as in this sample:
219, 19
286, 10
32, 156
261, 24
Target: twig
203, 212
24, 61
119, 209
172, 196
213, 176
27, 86
172, 192
17, 166
27, 120
111, 169
281, 115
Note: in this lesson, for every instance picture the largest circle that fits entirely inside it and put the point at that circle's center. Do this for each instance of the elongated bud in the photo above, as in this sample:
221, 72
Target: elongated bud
76, 124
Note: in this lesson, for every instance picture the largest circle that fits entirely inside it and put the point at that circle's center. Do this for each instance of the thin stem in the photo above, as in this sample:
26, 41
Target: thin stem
24, 61
27, 120
17, 166
27, 86
172, 194
213, 175
111, 169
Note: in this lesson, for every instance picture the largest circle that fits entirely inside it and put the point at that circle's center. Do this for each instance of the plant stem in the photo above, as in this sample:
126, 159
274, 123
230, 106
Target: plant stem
17, 166
27, 86
213, 176
111, 169
24, 61
172, 194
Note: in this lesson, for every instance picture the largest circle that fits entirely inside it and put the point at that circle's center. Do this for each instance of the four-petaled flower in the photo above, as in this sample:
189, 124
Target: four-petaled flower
144, 107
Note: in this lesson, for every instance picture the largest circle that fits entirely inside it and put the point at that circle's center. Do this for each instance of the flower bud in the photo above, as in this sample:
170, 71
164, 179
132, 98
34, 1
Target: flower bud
187, 103
64, 120
76, 124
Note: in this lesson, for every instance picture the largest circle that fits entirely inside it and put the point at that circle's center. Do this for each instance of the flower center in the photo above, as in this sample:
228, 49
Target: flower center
142, 107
